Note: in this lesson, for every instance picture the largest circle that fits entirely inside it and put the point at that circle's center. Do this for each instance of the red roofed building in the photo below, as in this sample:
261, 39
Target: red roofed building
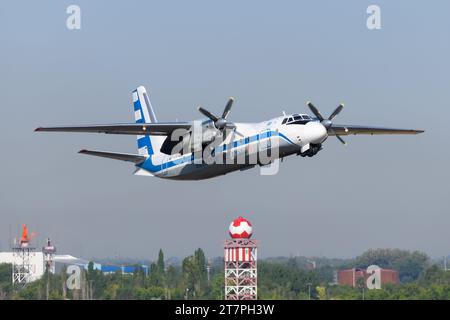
350, 277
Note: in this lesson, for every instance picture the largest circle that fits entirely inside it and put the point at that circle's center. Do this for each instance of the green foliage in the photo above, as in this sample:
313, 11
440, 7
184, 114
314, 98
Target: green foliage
150, 293
5, 280
285, 281
160, 263
278, 278
111, 290
194, 274
343, 293
157, 271
173, 277
410, 265
217, 286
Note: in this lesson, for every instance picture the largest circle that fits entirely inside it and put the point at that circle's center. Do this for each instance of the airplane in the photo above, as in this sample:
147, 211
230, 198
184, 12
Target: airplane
163, 154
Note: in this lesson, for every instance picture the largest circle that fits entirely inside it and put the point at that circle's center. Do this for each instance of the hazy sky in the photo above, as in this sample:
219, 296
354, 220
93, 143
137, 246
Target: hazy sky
390, 191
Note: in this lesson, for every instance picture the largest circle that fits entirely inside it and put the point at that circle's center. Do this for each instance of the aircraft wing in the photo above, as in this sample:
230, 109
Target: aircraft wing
135, 158
345, 130
157, 129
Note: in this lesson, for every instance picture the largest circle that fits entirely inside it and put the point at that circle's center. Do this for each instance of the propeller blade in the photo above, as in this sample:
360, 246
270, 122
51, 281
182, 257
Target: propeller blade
337, 136
336, 111
315, 111
208, 114
232, 127
228, 132
227, 109
238, 133
341, 140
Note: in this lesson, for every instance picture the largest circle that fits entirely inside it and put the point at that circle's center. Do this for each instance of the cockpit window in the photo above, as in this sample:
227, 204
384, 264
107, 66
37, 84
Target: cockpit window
299, 119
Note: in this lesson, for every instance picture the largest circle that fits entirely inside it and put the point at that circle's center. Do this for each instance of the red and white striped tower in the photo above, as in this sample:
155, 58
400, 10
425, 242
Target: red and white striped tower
240, 262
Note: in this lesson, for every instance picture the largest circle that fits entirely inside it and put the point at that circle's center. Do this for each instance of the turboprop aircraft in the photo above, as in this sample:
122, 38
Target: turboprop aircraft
215, 146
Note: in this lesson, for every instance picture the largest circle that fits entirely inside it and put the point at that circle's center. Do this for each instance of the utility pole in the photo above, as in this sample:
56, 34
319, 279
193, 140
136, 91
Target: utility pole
91, 293
63, 281
309, 290
47, 289
361, 284
208, 271
48, 251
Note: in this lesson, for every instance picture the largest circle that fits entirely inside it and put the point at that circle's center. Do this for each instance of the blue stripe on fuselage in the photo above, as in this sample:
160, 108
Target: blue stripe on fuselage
149, 166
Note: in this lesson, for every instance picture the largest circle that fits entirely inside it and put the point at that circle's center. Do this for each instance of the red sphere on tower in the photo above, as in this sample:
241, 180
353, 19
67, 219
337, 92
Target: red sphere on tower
240, 228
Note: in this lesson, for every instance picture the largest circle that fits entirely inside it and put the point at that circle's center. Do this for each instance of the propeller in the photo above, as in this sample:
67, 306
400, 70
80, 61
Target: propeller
221, 123
327, 123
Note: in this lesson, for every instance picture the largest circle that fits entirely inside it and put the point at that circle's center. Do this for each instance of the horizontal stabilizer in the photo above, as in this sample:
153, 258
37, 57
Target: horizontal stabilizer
143, 172
114, 155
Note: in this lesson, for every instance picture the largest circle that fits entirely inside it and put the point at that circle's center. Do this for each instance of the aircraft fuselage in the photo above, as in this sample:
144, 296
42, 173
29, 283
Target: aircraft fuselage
266, 139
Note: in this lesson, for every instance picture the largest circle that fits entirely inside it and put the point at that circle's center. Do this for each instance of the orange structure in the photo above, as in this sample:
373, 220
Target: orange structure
23, 253
25, 239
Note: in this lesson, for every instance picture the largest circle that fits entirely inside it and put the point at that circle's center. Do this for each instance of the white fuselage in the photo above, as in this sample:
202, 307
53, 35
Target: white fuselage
274, 137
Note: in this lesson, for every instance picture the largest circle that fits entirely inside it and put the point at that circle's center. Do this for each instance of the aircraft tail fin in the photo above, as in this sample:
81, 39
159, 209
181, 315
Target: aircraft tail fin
144, 113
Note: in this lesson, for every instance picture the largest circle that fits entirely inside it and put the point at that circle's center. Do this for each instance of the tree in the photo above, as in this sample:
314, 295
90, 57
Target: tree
5, 281
157, 271
172, 277
361, 285
435, 275
279, 278
194, 273
160, 262
110, 292
410, 265
150, 293
200, 264
217, 286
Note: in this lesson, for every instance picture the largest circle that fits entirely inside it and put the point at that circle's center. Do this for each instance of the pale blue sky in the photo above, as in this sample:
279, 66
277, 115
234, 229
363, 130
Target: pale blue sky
272, 56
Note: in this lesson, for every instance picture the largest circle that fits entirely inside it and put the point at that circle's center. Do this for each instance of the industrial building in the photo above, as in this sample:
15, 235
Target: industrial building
36, 262
63, 261
30, 264
350, 277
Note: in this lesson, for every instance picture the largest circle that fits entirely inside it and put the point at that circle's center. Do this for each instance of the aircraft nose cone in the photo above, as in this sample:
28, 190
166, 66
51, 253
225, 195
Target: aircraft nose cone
317, 132
220, 124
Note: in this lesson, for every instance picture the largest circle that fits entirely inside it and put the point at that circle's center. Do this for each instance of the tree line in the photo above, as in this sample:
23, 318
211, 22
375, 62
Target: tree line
278, 278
